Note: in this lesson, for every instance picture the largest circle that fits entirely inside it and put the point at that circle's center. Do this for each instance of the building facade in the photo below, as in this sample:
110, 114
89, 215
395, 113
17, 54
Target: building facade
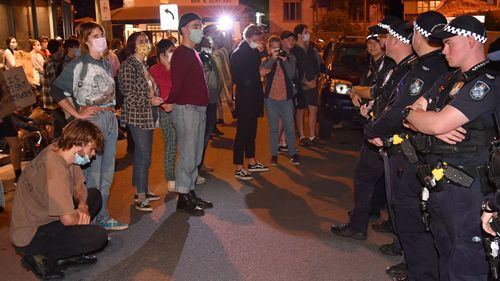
286, 14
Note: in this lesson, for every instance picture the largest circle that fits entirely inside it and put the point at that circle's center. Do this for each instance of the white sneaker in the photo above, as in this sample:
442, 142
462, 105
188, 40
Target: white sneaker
171, 186
200, 180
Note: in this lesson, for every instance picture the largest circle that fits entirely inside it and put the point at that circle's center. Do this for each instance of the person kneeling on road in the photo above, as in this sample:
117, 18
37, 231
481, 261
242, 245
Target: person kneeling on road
52, 210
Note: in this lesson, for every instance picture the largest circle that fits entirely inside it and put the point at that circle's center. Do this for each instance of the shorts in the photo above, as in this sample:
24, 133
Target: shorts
307, 98
7, 128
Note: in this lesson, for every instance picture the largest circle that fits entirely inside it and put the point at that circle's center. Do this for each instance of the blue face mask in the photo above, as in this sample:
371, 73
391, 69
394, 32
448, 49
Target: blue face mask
78, 53
81, 160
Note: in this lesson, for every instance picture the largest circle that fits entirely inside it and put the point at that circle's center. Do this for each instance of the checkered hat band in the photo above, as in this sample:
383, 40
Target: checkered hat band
422, 31
384, 26
372, 36
465, 33
399, 36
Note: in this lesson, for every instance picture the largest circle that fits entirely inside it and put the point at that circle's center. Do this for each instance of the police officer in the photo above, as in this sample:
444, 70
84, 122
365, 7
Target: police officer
460, 108
417, 243
369, 169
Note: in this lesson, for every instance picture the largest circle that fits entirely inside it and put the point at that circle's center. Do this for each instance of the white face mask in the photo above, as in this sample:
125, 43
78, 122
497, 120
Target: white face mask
253, 45
99, 44
169, 57
195, 35
306, 37
13, 46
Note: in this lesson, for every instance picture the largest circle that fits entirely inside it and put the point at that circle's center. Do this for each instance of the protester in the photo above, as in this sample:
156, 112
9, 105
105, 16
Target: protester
52, 208
44, 43
71, 50
139, 113
162, 75
37, 60
90, 86
9, 58
246, 73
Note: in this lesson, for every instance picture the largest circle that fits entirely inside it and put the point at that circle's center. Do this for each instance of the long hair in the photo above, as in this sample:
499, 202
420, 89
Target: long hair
84, 31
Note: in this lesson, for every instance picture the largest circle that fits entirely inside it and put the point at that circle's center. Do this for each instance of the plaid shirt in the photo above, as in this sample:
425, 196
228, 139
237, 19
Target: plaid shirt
51, 70
133, 79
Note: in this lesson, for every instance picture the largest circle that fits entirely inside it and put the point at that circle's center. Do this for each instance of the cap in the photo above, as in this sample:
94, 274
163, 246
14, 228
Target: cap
382, 26
372, 36
187, 18
398, 29
285, 34
467, 26
429, 22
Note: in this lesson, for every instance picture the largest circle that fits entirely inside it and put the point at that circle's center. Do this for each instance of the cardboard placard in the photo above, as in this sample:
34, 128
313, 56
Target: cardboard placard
16, 92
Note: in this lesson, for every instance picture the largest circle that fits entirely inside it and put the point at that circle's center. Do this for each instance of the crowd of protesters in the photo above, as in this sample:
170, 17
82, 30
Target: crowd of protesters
82, 84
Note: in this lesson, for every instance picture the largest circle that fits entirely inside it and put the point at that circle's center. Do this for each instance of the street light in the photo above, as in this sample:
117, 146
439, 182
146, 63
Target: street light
225, 23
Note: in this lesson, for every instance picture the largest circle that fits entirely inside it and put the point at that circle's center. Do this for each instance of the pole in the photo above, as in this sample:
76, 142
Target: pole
103, 17
364, 16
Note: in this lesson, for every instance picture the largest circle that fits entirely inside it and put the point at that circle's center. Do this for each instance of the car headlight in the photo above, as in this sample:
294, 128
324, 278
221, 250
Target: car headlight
339, 87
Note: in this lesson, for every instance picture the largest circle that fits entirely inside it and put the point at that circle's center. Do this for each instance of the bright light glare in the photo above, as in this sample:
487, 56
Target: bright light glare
225, 23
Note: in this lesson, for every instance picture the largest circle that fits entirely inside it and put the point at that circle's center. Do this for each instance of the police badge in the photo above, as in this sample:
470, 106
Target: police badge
479, 90
416, 86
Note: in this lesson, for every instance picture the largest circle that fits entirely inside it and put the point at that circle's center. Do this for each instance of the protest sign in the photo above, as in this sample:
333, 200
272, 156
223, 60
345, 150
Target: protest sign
16, 92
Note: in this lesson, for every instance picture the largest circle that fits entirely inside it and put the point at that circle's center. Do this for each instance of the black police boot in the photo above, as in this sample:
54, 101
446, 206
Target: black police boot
78, 260
200, 202
384, 227
187, 204
42, 267
345, 230
397, 270
390, 249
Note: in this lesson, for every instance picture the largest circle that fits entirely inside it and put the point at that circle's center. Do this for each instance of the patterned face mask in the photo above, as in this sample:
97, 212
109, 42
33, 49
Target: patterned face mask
143, 49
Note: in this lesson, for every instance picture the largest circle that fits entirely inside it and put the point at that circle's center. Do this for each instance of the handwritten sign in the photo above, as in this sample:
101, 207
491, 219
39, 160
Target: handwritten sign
16, 92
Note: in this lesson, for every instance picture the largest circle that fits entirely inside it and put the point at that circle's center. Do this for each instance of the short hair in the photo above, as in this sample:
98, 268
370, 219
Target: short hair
251, 30
43, 38
299, 28
162, 46
81, 131
272, 39
71, 43
84, 31
54, 45
131, 41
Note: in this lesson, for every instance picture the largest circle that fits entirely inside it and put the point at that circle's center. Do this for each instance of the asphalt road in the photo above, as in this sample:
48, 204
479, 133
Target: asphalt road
276, 227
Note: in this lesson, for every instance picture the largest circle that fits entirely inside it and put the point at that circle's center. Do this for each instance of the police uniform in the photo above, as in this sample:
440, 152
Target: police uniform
417, 243
455, 207
369, 171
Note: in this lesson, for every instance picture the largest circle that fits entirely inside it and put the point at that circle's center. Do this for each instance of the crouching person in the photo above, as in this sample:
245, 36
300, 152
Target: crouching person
52, 210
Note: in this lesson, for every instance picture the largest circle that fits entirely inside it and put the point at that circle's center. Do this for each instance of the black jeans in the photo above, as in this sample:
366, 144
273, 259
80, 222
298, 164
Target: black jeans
244, 142
209, 128
58, 241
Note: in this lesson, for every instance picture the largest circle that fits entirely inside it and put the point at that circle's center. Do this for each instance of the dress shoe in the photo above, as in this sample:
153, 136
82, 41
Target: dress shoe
401, 278
396, 270
345, 230
187, 204
78, 260
384, 227
390, 250
42, 267
200, 202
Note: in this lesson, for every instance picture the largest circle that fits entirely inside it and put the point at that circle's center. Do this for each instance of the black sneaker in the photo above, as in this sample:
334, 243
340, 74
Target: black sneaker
397, 270
186, 203
283, 148
295, 160
200, 202
345, 230
150, 196
315, 141
274, 160
143, 206
383, 227
243, 175
75, 261
257, 167
303, 141
390, 249
42, 267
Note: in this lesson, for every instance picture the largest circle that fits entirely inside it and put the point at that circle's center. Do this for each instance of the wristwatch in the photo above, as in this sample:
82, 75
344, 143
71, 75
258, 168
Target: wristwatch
406, 112
486, 208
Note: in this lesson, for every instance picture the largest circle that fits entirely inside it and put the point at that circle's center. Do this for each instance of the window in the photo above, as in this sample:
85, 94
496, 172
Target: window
292, 10
424, 6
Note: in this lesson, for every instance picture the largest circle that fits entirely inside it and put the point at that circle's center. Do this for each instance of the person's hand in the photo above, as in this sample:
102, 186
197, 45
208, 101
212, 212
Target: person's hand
485, 221
264, 71
453, 137
156, 101
356, 100
168, 107
87, 111
83, 216
376, 142
364, 110
275, 53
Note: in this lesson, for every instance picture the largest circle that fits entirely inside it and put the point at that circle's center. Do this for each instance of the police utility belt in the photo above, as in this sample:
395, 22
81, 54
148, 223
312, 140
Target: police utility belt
445, 173
400, 144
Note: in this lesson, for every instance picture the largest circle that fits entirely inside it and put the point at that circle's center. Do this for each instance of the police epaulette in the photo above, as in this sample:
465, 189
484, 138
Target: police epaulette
490, 75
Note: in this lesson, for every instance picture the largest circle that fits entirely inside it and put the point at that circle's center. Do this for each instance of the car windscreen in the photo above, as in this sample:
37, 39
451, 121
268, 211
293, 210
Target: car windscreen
352, 57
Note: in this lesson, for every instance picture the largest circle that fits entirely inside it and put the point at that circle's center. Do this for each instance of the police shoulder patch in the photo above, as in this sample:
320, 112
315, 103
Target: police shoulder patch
479, 90
416, 86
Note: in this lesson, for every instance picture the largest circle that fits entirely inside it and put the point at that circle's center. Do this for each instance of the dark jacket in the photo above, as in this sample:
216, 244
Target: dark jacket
289, 69
245, 63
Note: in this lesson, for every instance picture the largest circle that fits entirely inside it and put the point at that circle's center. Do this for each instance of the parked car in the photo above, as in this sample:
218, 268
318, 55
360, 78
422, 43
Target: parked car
345, 62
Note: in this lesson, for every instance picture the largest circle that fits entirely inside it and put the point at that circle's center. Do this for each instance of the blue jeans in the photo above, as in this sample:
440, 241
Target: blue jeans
143, 144
101, 171
284, 109
189, 121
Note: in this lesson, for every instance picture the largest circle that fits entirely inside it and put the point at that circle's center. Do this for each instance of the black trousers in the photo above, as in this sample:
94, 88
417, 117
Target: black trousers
209, 128
58, 241
246, 131
368, 175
